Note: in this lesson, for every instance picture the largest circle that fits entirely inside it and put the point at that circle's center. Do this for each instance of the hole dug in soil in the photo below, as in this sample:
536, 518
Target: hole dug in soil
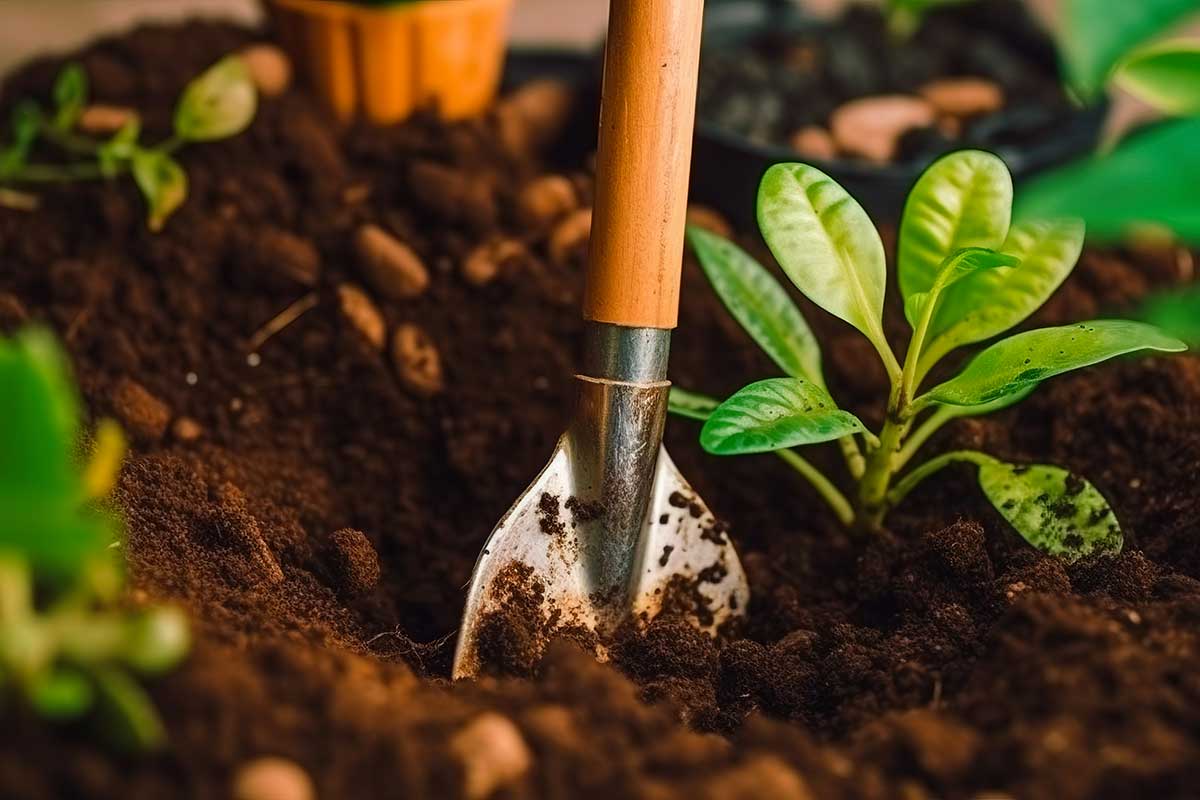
318, 509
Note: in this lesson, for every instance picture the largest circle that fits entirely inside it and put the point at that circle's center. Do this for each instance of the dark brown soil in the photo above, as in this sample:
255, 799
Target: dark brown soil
320, 521
797, 72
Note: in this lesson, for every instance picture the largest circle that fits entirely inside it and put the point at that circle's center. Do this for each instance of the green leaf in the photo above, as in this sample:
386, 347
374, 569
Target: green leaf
692, 405
1029, 358
1097, 33
964, 200
957, 266
61, 693
1178, 313
120, 148
1057, 512
163, 183
218, 104
157, 640
760, 305
775, 414
1164, 74
826, 244
987, 303
26, 124
70, 96
126, 716
1150, 177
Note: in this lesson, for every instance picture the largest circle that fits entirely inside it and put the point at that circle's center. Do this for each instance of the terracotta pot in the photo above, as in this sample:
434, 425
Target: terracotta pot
384, 62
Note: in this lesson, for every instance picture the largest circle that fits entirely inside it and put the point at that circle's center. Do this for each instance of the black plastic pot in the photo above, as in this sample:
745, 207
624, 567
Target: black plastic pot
728, 166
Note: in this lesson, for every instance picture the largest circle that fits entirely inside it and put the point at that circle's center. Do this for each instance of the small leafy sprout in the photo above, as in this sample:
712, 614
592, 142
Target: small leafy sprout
218, 104
68, 649
904, 16
967, 274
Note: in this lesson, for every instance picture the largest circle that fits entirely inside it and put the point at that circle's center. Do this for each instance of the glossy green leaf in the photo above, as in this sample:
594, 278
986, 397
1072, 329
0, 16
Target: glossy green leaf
964, 200
163, 183
1150, 177
775, 414
826, 244
955, 268
760, 305
70, 96
987, 303
1095, 34
218, 104
1055, 511
692, 405
1164, 74
1029, 358
1178, 313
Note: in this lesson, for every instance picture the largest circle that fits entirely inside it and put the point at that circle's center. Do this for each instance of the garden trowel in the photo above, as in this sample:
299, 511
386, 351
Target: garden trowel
610, 533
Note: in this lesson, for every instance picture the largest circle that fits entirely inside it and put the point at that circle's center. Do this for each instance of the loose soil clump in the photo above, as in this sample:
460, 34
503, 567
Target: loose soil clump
319, 515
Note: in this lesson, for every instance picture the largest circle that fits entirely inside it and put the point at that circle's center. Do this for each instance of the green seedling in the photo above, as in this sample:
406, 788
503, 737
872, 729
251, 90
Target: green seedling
218, 104
966, 275
68, 649
904, 16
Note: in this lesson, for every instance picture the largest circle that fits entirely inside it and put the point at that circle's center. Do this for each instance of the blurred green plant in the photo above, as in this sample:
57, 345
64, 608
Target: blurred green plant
966, 275
68, 648
904, 16
220, 103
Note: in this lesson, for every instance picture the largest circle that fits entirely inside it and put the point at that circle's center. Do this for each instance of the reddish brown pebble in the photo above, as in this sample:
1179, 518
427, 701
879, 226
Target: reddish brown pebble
710, 220
871, 127
272, 779
356, 306
545, 200
390, 266
760, 776
963, 97
492, 753
418, 364
534, 115
186, 429
570, 237
270, 68
12, 312
455, 195
813, 141
281, 253
141, 413
485, 262
354, 561
100, 119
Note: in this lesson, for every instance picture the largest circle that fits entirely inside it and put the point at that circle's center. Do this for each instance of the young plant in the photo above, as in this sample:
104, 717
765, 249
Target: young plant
218, 104
966, 275
68, 646
904, 16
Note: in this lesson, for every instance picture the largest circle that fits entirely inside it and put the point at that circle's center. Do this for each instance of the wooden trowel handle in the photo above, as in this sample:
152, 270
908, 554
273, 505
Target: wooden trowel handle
646, 120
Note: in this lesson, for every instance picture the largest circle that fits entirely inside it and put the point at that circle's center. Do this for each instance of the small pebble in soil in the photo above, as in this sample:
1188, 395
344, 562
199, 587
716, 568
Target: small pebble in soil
871, 127
280, 254
813, 141
455, 195
270, 68
186, 429
418, 364
534, 115
710, 220
12, 313
143, 415
354, 561
545, 200
485, 263
760, 776
357, 308
568, 242
493, 754
390, 266
963, 97
99, 119
272, 778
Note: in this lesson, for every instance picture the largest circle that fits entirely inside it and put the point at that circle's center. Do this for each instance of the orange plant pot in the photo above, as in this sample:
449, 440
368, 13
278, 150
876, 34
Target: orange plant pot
384, 63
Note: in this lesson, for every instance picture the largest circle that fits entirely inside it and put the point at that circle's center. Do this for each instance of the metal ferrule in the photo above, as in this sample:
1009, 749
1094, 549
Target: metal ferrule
613, 442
